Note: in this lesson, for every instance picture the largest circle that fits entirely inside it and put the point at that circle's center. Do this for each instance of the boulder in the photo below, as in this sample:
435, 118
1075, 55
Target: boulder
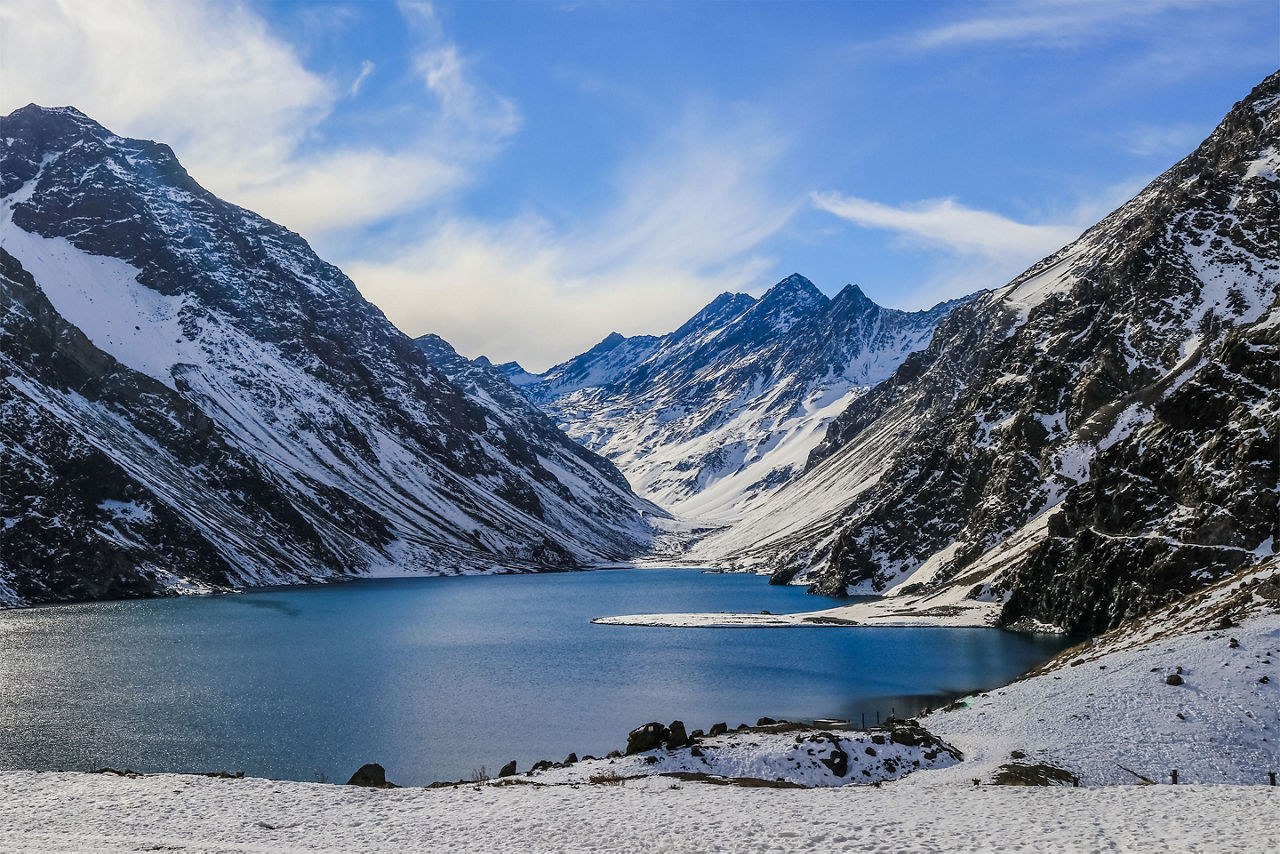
1173, 679
508, 770
676, 736
373, 776
646, 737
719, 729
765, 722
571, 759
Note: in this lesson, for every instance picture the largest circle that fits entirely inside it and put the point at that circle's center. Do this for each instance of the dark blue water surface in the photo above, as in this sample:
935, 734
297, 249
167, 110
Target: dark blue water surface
436, 677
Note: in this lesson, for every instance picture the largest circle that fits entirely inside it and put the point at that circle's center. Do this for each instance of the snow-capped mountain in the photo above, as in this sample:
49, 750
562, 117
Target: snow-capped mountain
709, 419
192, 397
1082, 445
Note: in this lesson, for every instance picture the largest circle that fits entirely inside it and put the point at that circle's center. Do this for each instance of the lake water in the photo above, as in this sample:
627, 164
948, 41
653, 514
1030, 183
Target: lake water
436, 677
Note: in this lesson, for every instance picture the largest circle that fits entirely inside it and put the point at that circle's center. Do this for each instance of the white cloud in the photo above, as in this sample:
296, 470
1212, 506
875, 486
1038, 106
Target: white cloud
947, 225
248, 119
688, 222
974, 249
236, 103
1047, 23
366, 68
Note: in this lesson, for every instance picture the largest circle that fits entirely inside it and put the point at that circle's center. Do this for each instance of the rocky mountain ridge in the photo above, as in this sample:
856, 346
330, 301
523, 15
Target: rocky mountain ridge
1082, 445
253, 419
707, 420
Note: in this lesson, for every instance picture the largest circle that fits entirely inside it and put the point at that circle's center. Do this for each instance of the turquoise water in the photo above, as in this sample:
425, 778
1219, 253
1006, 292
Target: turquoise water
436, 677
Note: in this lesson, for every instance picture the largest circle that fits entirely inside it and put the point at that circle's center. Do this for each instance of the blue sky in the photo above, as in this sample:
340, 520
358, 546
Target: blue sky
523, 178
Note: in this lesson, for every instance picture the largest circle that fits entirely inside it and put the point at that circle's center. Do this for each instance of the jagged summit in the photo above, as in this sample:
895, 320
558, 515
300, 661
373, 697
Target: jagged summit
796, 287
853, 295
722, 411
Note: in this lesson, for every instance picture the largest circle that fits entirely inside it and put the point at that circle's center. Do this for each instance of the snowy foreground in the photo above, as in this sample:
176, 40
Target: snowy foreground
83, 812
1105, 714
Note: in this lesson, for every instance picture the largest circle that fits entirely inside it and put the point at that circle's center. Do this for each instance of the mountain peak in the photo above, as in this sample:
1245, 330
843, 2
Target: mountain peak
62, 117
790, 300
795, 287
854, 295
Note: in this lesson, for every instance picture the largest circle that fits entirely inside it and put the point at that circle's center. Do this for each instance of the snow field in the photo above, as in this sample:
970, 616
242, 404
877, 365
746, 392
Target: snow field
63, 812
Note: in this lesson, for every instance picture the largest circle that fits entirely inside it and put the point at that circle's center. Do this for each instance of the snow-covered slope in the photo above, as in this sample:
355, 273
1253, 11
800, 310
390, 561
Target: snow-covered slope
709, 419
249, 406
1082, 445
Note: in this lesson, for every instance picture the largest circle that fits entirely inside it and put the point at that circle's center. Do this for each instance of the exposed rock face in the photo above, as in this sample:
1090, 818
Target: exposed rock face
194, 399
646, 737
1084, 444
712, 417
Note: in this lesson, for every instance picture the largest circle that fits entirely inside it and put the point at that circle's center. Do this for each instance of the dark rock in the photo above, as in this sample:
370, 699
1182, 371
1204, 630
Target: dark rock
571, 759
613, 754
910, 736
695, 751
697, 733
1019, 774
765, 722
837, 761
645, 737
508, 770
871, 751
372, 776
1017, 754
719, 729
1173, 679
676, 736
878, 739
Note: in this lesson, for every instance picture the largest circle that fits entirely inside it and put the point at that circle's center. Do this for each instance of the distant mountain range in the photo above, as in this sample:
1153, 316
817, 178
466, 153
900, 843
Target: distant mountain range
709, 419
1083, 445
193, 400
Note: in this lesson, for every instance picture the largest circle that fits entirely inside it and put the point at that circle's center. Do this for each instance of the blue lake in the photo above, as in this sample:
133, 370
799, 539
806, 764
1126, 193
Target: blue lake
436, 677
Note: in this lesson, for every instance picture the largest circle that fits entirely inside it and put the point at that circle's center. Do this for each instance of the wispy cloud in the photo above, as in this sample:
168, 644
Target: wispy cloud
239, 106
1045, 23
366, 68
974, 249
1160, 140
689, 218
948, 225
464, 106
